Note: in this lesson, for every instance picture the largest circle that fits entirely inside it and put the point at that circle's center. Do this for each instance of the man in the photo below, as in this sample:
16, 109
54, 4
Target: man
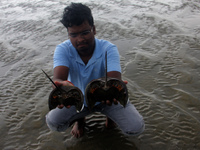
80, 60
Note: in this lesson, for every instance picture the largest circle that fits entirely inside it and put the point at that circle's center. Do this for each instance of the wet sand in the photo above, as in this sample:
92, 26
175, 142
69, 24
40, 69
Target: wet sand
159, 45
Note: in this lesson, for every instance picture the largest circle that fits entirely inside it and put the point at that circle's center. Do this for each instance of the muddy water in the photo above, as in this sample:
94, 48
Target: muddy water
159, 44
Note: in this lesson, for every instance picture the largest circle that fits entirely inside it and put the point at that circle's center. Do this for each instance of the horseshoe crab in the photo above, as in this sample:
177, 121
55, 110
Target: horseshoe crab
103, 89
66, 95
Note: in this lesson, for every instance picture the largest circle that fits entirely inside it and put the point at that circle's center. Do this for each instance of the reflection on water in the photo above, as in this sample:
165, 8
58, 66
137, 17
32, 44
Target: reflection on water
159, 44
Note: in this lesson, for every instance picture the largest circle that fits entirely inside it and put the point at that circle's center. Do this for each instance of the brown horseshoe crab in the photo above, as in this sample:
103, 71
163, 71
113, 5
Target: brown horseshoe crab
99, 90
103, 89
66, 95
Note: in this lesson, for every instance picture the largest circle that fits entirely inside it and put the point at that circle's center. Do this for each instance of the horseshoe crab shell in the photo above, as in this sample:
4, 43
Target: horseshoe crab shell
66, 95
99, 90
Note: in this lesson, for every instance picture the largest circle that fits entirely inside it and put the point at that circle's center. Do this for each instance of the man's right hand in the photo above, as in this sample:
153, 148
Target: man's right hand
62, 83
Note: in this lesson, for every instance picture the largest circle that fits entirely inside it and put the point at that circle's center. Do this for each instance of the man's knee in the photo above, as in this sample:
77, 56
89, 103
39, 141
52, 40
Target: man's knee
136, 130
56, 126
58, 119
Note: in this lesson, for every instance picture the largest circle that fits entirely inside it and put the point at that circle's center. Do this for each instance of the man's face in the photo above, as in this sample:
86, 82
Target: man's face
82, 37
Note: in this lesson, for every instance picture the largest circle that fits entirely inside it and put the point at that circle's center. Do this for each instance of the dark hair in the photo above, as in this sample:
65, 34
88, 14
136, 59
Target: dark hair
76, 14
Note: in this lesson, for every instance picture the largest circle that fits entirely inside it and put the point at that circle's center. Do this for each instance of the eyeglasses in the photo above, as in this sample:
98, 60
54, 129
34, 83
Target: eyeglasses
85, 34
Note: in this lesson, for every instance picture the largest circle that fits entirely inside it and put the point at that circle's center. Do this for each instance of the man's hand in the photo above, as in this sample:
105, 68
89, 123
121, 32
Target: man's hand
63, 83
109, 103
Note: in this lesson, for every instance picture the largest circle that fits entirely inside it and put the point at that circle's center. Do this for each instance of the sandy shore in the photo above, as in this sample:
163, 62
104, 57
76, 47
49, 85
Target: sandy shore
159, 45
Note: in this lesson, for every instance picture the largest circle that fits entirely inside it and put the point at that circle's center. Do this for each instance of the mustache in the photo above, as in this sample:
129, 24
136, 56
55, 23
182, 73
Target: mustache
81, 43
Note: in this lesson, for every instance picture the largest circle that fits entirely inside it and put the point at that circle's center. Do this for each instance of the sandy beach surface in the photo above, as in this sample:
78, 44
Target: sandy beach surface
159, 45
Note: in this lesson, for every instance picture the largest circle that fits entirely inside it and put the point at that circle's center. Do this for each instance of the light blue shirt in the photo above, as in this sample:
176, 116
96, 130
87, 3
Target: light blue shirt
79, 73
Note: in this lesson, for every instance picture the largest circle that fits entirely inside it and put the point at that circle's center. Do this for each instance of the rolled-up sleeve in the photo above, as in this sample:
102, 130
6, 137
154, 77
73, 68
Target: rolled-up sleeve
60, 57
113, 59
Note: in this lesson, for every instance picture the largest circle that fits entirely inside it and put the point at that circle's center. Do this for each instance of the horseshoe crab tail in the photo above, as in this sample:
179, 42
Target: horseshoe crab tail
51, 80
106, 78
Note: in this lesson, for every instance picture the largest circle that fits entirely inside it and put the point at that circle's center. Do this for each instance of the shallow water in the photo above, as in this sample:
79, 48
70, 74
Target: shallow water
159, 44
